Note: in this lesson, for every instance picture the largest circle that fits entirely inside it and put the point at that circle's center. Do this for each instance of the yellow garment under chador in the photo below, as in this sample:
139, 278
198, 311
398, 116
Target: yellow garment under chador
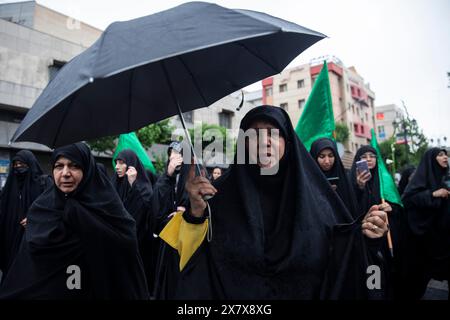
184, 237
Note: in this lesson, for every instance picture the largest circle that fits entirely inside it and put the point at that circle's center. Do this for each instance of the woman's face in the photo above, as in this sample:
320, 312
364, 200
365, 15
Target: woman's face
442, 159
217, 172
270, 145
371, 159
19, 164
326, 159
121, 168
67, 174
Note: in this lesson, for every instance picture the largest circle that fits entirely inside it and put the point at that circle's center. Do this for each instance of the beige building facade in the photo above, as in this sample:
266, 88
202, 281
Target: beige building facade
353, 100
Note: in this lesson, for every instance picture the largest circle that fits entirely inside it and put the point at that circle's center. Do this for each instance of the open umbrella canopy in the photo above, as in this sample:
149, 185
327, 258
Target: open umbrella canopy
138, 71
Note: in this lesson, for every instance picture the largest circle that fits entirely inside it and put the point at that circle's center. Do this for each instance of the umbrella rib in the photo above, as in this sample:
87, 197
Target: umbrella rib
193, 80
258, 56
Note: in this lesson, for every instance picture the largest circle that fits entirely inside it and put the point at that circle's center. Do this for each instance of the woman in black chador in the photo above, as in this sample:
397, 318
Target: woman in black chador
426, 200
134, 188
25, 183
278, 229
324, 152
80, 242
366, 186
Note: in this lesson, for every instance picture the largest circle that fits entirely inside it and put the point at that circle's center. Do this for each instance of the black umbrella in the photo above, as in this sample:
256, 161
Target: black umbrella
147, 69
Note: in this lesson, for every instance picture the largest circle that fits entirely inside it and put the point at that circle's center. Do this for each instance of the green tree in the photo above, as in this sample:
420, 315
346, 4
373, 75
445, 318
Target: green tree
159, 132
342, 132
410, 154
209, 133
160, 163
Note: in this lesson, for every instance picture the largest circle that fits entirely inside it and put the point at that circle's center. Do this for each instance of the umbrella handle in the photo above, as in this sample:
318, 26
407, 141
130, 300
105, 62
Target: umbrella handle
198, 171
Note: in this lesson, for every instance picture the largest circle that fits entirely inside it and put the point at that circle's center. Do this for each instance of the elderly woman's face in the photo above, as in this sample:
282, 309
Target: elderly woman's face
270, 145
67, 175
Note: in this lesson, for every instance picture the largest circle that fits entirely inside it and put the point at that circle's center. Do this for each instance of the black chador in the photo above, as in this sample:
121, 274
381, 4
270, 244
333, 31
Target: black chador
78, 245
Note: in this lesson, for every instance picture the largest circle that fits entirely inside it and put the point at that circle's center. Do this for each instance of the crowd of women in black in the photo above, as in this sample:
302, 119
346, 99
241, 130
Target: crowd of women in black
310, 231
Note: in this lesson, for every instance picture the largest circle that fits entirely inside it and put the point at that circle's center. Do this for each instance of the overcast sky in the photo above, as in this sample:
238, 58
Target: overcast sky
401, 47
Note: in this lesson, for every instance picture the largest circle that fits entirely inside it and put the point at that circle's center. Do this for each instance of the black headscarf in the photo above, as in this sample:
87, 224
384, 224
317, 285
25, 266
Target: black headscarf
272, 235
137, 201
344, 188
370, 195
404, 180
142, 180
428, 177
429, 218
22, 187
88, 227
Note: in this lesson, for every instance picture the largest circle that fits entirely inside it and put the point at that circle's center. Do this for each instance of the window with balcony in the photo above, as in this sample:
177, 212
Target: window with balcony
225, 119
301, 104
283, 87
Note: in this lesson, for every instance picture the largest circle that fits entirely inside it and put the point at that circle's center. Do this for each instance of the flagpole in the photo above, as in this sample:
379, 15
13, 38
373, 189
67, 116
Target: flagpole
389, 238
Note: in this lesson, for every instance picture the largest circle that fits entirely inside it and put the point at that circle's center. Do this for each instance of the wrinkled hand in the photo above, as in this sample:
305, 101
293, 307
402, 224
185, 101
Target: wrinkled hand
23, 222
131, 174
386, 207
441, 193
362, 178
175, 160
374, 223
197, 187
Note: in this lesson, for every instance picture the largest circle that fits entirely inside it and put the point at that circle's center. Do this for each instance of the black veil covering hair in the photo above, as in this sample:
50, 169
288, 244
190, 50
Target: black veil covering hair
286, 236
137, 201
429, 223
142, 180
370, 195
22, 187
344, 188
88, 228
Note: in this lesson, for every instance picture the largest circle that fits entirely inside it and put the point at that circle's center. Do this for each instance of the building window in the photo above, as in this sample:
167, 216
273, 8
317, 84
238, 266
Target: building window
362, 129
357, 111
301, 103
353, 108
284, 106
188, 116
268, 91
355, 128
300, 84
54, 68
283, 87
380, 130
367, 116
225, 119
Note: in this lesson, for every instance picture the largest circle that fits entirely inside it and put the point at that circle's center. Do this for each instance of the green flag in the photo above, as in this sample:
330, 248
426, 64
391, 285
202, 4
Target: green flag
131, 141
317, 120
388, 190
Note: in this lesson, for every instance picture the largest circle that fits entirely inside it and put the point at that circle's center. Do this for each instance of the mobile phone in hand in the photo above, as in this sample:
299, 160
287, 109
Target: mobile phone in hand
333, 180
362, 166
